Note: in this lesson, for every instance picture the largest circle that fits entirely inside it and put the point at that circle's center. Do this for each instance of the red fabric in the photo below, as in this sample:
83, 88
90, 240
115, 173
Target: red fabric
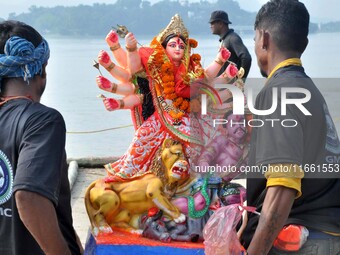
144, 53
120, 237
182, 89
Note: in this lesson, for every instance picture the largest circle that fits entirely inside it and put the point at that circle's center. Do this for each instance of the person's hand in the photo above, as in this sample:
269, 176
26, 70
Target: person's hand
112, 38
111, 104
131, 42
223, 55
105, 60
231, 71
104, 84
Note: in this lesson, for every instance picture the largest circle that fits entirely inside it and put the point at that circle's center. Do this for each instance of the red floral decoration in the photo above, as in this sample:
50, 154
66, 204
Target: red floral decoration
195, 58
192, 42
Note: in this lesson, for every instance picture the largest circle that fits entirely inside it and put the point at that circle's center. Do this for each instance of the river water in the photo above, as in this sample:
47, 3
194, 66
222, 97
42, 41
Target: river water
71, 88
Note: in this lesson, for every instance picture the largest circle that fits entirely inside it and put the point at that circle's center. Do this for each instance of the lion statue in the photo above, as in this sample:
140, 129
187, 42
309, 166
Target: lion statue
120, 204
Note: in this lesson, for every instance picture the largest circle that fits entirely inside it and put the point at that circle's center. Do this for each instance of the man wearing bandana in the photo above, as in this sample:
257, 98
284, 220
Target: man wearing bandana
35, 211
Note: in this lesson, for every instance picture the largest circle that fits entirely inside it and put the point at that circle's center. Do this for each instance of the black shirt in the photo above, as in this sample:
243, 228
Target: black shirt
239, 52
313, 141
32, 158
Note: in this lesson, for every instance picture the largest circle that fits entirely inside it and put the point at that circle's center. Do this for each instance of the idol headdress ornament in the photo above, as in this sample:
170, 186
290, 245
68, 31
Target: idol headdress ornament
175, 26
121, 30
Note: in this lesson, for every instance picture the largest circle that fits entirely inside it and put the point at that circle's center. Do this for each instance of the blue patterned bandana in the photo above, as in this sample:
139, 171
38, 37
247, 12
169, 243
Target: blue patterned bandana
22, 59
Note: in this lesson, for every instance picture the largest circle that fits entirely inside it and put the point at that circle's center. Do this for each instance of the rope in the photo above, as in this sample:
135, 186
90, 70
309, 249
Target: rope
114, 128
97, 131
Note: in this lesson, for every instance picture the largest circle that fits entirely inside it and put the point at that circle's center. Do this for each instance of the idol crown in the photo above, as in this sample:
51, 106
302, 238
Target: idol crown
176, 26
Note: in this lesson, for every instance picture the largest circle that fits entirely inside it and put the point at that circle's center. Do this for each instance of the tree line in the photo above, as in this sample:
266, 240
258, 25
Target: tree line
140, 17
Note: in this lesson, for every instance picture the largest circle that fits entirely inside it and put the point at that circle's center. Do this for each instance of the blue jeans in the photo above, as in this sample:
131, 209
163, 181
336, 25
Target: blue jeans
316, 245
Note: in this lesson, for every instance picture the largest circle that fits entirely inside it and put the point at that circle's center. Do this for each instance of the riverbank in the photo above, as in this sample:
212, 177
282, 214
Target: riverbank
84, 178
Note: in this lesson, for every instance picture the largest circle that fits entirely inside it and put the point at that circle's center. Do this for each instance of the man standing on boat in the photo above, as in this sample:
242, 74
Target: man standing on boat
219, 23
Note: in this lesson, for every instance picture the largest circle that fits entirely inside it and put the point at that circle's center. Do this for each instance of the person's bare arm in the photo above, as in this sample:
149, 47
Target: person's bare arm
276, 208
39, 216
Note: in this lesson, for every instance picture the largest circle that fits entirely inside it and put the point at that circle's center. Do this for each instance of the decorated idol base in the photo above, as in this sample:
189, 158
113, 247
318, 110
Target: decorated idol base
122, 243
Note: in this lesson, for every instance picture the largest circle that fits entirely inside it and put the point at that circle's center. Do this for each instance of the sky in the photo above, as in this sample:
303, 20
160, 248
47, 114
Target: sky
320, 11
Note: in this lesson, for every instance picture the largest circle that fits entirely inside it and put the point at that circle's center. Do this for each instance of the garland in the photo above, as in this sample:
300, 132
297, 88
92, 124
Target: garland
162, 71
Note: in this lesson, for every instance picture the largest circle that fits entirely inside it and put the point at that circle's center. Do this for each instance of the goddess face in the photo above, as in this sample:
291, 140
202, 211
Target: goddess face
175, 49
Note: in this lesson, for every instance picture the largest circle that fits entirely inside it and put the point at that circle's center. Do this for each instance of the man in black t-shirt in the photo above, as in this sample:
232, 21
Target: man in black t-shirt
297, 186
35, 210
219, 23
